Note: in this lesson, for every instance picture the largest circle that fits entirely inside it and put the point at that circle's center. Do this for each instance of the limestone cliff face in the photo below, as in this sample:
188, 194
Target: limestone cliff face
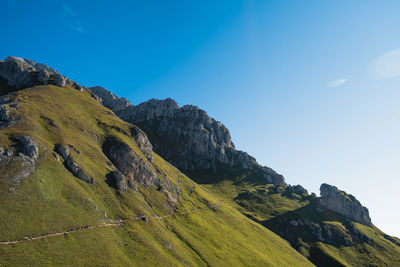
343, 203
187, 137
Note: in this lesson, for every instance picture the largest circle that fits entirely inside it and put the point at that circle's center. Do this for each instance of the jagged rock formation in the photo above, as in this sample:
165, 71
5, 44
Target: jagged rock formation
71, 165
22, 73
129, 163
29, 147
186, 136
108, 99
343, 203
190, 139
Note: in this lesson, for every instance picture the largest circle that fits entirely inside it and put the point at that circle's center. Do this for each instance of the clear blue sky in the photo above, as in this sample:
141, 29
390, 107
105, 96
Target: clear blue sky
310, 88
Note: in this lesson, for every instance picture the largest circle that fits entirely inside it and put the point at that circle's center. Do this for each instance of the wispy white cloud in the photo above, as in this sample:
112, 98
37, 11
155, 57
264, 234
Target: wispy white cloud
70, 18
337, 83
386, 66
67, 10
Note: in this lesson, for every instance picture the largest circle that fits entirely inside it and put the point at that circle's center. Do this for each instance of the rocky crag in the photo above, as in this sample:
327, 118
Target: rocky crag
343, 203
22, 73
186, 136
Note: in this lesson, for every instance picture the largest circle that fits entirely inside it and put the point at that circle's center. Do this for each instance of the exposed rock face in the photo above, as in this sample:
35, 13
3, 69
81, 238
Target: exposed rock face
22, 73
30, 147
187, 137
71, 165
190, 139
108, 99
8, 103
122, 182
129, 163
143, 143
343, 203
16, 166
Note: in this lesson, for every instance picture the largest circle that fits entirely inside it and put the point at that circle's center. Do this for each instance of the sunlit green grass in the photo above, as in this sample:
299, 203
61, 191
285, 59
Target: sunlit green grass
53, 200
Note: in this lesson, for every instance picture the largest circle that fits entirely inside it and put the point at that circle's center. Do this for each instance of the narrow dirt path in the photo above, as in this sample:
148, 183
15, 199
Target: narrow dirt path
113, 223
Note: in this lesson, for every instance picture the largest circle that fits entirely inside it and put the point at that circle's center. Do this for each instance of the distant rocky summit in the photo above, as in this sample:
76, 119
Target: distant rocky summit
343, 203
186, 136
22, 73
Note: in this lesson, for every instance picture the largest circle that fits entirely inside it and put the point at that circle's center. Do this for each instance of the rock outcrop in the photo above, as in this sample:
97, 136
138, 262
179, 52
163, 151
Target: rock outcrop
29, 147
190, 139
22, 73
186, 136
71, 165
129, 163
143, 143
108, 99
343, 203
17, 165
8, 103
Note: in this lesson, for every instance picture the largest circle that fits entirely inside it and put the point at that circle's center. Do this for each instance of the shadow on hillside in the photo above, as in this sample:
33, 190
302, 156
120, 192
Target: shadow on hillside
309, 226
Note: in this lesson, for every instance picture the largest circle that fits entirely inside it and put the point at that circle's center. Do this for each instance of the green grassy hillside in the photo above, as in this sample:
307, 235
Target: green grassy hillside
323, 236
199, 231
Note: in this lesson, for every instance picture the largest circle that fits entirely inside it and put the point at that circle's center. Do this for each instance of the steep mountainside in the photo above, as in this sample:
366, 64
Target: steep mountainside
188, 138
79, 186
331, 230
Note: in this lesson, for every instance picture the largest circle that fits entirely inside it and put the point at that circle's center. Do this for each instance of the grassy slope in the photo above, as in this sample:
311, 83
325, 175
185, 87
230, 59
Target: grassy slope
261, 203
53, 200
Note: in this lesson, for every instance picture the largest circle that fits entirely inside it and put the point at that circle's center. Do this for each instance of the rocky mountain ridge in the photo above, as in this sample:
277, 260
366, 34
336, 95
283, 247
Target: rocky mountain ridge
186, 136
193, 141
196, 140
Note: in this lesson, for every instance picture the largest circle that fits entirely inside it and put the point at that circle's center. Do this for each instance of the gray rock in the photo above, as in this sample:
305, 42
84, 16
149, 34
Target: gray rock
59, 80
71, 165
56, 156
185, 136
128, 162
4, 114
143, 143
120, 181
22, 73
30, 147
62, 150
109, 99
298, 189
23, 164
76, 170
343, 203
